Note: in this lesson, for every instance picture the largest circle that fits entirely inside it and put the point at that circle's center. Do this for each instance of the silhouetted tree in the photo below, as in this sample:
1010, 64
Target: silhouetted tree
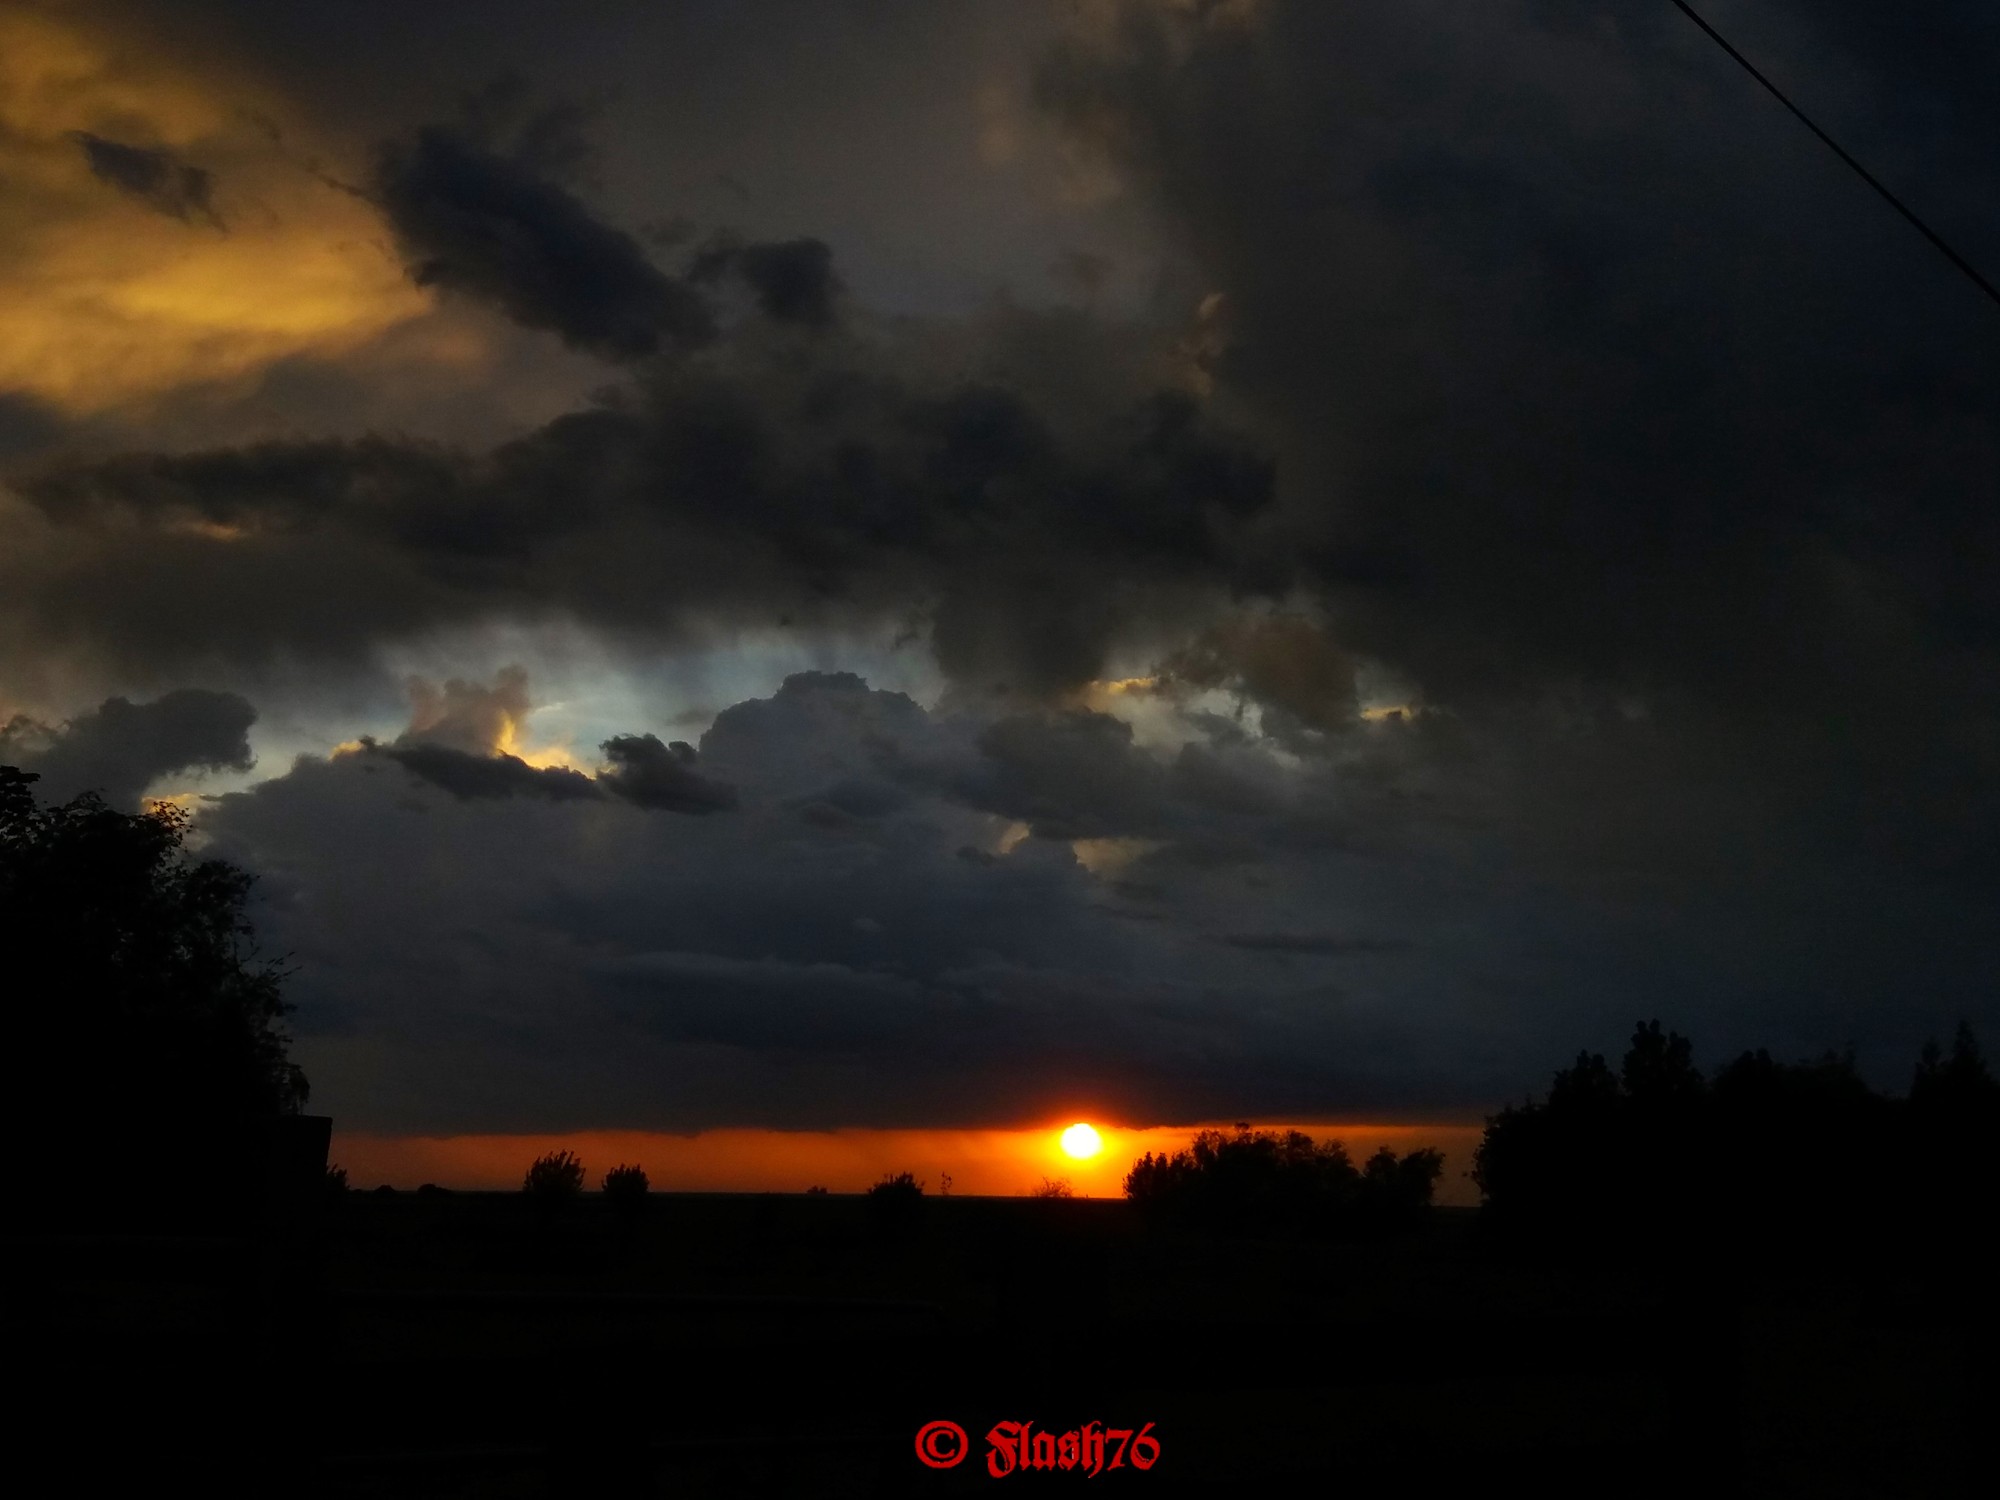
1057, 1187
625, 1188
1659, 1068
1795, 1159
1268, 1182
137, 1002
1958, 1084
150, 981
554, 1178
1954, 1151
625, 1183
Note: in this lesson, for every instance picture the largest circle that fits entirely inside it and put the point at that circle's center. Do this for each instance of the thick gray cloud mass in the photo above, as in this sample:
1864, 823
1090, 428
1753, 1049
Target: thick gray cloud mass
467, 775
845, 481
856, 942
649, 774
478, 223
818, 956
1601, 387
1591, 364
120, 748
793, 281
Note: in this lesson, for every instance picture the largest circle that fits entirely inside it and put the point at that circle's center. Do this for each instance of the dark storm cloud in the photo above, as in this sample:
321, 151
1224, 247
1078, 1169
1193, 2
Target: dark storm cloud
585, 963
26, 426
407, 490
120, 748
466, 775
478, 223
1595, 353
153, 175
1598, 379
768, 1005
1068, 775
1318, 945
793, 279
1028, 514
647, 773
848, 482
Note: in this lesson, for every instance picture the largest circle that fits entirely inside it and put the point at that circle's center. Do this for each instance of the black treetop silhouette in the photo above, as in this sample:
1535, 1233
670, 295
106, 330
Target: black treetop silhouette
137, 993
1260, 1179
1795, 1158
625, 1183
555, 1177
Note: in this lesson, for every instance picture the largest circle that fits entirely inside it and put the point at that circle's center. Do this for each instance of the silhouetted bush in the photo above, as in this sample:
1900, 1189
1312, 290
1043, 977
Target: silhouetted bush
625, 1189
815, 1192
555, 1178
1266, 1182
336, 1179
1057, 1187
896, 1187
895, 1201
623, 1184
1794, 1158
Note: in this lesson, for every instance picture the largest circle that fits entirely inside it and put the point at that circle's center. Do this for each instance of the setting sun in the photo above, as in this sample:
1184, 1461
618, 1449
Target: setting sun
1081, 1142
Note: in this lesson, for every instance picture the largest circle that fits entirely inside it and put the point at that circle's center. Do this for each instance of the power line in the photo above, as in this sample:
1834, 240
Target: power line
1866, 176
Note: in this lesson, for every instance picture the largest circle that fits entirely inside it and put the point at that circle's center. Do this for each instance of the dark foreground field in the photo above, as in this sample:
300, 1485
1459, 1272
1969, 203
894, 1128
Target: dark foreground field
465, 1345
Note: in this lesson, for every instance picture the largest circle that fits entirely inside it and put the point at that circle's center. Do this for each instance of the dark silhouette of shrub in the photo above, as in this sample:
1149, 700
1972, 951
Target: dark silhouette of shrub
896, 1187
1266, 1182
623, 1184
336, 1179
895, 1201
815, 1192
625, 1189
1057, 1187
555, 1178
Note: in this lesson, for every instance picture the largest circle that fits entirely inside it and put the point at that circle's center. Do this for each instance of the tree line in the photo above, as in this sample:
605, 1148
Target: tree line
1793, 1159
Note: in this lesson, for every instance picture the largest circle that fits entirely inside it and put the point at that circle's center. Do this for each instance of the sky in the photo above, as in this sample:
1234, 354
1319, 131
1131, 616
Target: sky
872, 566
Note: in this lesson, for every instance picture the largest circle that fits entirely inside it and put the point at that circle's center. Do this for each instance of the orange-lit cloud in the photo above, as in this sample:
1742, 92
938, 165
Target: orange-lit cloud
1105, 858
483, 720
106, 299
989, 1162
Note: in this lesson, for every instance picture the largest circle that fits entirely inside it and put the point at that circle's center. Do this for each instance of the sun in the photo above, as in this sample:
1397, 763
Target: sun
1081, 1142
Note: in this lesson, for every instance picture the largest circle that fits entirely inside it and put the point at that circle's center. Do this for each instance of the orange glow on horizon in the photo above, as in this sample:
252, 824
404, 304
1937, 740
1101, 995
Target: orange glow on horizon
990, 1162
